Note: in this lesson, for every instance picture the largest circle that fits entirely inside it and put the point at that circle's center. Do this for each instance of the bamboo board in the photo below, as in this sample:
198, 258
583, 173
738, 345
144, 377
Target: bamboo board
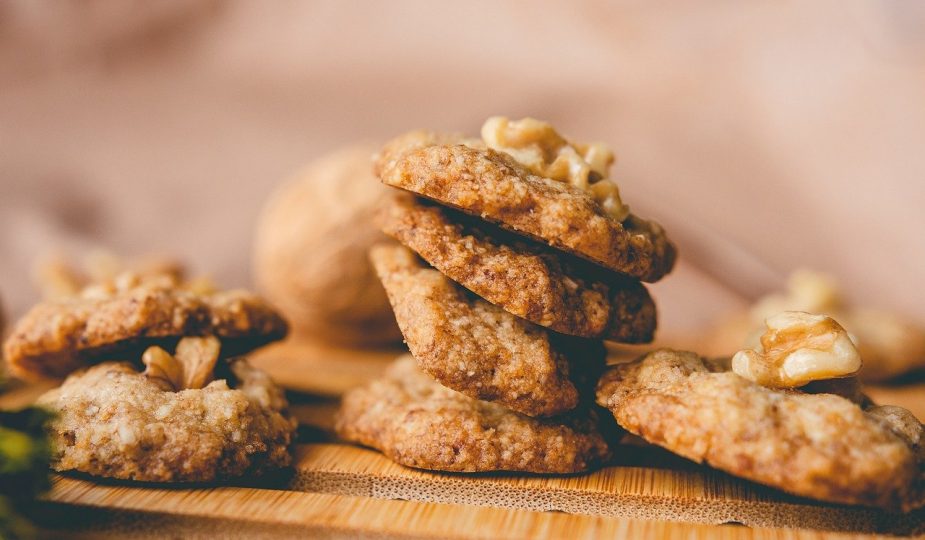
84, 509
337, 490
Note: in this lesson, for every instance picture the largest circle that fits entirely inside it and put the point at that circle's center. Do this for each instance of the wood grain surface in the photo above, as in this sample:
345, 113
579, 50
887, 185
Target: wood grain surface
340, 490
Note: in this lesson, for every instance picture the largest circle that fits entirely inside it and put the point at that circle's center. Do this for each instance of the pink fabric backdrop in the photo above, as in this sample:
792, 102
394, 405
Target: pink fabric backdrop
764, 135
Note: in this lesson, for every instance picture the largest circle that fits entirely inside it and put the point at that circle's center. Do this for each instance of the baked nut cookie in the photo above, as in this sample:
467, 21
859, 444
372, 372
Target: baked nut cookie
560, 292
528, 179
821, 446
890, 345
311, 251
419, 423
130, 312
115, 422
477, 348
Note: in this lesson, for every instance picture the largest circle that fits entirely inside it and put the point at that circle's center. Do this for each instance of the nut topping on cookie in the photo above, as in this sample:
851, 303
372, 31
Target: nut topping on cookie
540, 148
191, 367
796, 349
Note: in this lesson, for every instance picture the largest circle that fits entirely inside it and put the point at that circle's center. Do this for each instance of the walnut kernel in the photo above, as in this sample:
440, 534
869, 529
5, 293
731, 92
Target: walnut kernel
540, 148
192, 366
798, 348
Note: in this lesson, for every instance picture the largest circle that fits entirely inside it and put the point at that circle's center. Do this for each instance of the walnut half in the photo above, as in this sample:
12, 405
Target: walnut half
541, 149
192, 366
798, 348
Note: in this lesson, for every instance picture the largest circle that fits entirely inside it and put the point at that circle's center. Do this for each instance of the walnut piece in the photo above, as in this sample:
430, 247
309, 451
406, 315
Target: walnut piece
192, 366
540, 148
798, 348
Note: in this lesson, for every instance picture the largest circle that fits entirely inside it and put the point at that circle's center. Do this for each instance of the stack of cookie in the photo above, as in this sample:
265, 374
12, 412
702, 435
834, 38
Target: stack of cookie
156, 389
518, 259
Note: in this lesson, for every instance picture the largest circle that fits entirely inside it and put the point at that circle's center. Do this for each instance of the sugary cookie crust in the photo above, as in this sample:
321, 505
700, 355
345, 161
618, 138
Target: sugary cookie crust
553, 290
493, 186
419, 423
820, 446
477, 348
58, 336
113, 421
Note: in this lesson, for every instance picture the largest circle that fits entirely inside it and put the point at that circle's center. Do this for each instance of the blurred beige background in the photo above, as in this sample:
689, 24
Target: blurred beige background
764, 135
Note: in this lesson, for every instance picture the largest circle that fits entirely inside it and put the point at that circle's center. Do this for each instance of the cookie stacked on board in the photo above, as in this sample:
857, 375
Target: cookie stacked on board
517, 259
155, 387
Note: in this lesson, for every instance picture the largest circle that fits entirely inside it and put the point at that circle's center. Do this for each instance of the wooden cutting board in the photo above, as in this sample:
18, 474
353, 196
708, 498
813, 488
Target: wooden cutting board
337, 489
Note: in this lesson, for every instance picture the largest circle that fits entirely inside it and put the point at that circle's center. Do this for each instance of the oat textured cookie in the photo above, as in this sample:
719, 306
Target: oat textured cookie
477, 348
563, 293
419, 423
467, 175
821, 446
115, 422
60, 335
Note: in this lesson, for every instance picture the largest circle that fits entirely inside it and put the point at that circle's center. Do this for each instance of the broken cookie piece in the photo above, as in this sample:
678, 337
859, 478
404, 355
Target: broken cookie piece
419, 423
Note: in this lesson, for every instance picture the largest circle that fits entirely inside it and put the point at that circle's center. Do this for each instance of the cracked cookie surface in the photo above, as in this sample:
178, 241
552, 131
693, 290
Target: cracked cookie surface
477, 348
555, 290
115, 422
419, 423
60, 335
492, 185
821, 446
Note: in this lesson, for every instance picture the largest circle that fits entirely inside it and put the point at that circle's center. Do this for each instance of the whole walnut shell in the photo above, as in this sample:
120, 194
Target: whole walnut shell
310, 256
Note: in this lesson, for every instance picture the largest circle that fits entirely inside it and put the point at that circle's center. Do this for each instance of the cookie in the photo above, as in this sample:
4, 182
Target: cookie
494, 186
419, 423
60, 335
555, 290
477, 348
112, 421
821, 446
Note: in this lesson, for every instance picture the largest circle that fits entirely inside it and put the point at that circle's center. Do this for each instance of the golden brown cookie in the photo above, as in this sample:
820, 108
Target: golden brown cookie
112, 421
555, 290
821, 446
494, 186
419, 423
477, 348
311, 251
58, 336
